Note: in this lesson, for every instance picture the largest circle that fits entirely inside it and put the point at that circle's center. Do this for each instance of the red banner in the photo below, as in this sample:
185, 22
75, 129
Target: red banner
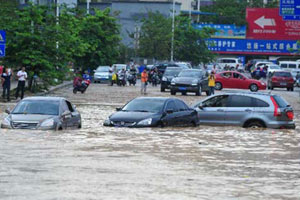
266, 23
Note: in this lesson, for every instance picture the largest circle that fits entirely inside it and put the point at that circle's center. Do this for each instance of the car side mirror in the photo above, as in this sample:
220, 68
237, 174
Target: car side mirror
118, 109
66, 114
7, 111
200, 106
170, 111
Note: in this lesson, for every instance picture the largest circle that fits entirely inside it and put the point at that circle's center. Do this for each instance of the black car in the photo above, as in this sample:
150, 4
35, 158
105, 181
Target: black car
161, 67
190, 80
153, 112
169, 74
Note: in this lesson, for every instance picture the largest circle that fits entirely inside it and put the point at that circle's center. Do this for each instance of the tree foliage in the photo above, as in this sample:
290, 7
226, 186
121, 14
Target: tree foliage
189, 43
45, 44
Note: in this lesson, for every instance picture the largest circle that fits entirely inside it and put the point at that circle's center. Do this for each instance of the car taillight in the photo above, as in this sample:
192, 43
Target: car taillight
277, 111
290, 115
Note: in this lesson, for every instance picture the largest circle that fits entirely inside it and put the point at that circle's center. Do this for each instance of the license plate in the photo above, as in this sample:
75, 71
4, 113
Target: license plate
182, 88
283, 84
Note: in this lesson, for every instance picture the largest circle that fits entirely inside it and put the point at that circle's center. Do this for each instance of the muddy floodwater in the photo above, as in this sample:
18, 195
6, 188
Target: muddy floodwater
99, 162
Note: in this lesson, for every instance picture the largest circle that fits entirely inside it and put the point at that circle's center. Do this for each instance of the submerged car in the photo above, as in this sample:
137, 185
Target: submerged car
236, 80
153, 112
46, 113
249, 110
190, 80
101, 74
169, 74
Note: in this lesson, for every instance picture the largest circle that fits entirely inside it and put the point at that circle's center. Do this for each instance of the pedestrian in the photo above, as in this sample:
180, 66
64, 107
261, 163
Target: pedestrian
211, 83
144, 79
22, 76
6, 79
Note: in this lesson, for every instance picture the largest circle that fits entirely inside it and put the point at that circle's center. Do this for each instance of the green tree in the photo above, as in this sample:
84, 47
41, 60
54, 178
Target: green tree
100, 33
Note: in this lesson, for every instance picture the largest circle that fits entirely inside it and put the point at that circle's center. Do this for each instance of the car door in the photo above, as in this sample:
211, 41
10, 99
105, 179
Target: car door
204, 82
75, 116
65, 115
212, 110
170, 118
226, 79
239, 81
239, 108
184, 114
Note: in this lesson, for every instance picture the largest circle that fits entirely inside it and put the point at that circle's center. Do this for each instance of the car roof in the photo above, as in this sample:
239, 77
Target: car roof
158, 98
41, 98
247, 93
174, 68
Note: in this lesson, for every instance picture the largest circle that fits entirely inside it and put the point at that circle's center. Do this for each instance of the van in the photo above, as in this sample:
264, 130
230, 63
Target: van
289, 65
231, 62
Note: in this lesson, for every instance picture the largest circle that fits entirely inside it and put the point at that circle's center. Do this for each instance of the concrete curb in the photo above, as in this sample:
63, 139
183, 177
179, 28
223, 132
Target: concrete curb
54, 88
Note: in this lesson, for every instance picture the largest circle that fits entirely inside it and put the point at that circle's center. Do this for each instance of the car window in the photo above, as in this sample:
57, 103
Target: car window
70, 107
226, 75
171, 106
280, 101
241, 101
293, 66
217, 101
283, 65
238, 76
260, 103
181, 106
283, 74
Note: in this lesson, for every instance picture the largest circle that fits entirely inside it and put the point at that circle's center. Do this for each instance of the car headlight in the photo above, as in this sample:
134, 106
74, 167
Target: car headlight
6, 123
145, 122
173, 83
195, 82
164, 79
47, 123
262, 83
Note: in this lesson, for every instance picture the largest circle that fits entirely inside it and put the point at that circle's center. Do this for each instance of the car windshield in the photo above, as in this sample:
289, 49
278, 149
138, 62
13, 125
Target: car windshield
282, 74
183, 65
171, 72
274, 67
102, 69
145, 105
37, 107
193, 74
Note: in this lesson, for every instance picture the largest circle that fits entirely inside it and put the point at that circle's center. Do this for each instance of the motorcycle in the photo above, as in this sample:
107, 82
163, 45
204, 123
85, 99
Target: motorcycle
131, 79
80, 85
121, 79
155, 79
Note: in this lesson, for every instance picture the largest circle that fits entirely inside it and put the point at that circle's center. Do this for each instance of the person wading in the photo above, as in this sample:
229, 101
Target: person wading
22, 76
144, 79
212, 83
6, 78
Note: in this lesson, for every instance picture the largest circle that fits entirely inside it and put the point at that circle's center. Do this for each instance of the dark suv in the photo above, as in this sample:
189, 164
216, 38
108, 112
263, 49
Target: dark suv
281, 80
249, 110
169, 74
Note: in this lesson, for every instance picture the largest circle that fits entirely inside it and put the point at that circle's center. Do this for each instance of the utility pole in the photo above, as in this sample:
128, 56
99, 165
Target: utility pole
173, 29
198, 20
57, 18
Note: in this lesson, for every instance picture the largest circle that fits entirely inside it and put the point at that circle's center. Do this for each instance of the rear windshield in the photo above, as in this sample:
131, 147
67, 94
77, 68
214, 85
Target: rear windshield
283, 74
280, 101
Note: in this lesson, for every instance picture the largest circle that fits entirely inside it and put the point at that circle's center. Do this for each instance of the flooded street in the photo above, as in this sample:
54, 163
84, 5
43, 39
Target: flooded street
99, 162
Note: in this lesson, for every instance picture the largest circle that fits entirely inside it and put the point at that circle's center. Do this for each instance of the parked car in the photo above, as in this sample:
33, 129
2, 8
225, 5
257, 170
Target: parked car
153, 112
230, 62
161, 67
281, 79
169, 74
119, 67
289, 65
46, 113
101, 74
249, 110
229, 79
190, 80
273, 68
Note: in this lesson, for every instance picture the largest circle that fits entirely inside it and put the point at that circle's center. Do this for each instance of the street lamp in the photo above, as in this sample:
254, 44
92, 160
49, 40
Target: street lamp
173, 29
87, 6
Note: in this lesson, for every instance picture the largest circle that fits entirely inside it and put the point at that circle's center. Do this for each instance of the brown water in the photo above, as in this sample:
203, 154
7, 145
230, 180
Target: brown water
99, 162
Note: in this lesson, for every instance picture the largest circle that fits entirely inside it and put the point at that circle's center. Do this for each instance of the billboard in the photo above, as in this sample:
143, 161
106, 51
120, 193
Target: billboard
224, 30
289, 7
249, 46
266, 23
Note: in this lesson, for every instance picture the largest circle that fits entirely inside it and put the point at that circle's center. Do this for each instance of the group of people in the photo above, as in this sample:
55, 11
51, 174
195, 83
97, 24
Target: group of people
6, 78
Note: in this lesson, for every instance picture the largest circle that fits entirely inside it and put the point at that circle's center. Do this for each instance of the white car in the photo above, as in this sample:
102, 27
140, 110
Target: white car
101, 74
231, 62
273, 68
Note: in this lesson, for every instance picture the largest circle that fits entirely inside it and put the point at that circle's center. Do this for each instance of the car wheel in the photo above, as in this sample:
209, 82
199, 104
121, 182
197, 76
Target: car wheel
255, 124
162, 89
74, 90
292, 89
183, 93
173, 92
218, 86
207, 93
253, 88
79, 125
199, 92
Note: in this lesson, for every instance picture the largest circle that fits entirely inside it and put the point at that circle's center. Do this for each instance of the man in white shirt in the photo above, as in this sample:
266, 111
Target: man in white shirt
22, 76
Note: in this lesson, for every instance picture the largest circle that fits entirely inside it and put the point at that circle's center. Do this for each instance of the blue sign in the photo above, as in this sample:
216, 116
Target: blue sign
295, 17
253, 46
2, 37
2, 50
224, 30
289, 7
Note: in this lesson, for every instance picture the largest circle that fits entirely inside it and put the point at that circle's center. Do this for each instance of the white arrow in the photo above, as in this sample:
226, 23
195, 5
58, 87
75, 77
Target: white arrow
262, 22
